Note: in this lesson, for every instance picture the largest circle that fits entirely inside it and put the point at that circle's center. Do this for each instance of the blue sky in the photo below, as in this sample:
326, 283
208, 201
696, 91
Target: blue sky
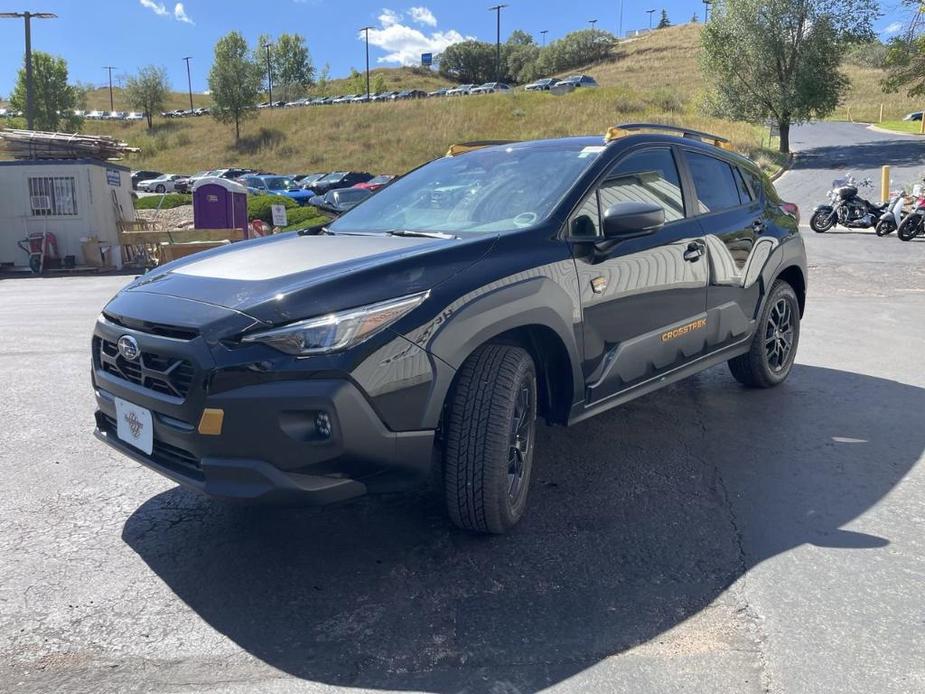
131, 33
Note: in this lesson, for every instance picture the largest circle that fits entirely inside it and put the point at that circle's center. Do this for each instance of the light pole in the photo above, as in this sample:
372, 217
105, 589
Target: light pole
189, 82
592, 22
650, 12
267, 47
497, 9
706, 10
366, 29
544, 32
28, 17
112, 106
620, 31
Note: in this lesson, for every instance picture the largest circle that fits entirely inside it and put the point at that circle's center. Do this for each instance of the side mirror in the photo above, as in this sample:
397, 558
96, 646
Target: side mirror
628, 219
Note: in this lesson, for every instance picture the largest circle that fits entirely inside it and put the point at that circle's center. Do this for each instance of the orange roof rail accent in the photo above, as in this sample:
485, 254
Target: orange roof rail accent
625, 129
463, 147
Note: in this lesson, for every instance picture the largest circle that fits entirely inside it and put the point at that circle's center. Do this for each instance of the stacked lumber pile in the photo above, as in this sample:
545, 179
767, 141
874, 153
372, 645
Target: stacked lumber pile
33, 144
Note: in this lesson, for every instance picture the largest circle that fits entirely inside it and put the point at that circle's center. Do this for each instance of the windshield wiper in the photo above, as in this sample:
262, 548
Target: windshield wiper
422, 234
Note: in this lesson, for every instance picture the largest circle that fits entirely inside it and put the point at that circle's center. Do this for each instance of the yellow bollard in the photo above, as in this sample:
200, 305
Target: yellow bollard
885, 183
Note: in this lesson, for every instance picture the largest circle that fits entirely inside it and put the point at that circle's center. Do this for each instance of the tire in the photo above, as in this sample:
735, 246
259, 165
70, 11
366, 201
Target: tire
885, 227
489, 439
910, 227
822, 221
160, 188
766, 365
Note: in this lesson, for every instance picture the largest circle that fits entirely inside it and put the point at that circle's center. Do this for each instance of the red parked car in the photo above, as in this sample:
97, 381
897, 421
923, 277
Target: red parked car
377, 182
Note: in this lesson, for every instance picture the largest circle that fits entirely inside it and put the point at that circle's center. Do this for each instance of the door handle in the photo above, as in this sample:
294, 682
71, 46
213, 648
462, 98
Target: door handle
693, 253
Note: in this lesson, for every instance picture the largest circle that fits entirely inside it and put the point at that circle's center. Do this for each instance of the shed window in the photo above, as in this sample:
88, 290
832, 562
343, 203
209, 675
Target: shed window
53, 196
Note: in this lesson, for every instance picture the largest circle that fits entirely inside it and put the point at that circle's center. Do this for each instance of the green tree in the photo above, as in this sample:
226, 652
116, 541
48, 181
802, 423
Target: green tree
664, 22
469, 61
519, 55
234, 81
293, 69
357, 81
147, 91
780, 60
324, 77
378, 83
53, 99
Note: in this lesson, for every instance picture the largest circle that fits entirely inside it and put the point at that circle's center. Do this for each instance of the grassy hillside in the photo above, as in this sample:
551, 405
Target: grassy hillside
99, 99
396, 79
654, 78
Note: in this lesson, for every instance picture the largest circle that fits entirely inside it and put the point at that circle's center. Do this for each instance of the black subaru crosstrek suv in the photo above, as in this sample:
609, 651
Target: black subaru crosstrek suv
425, 331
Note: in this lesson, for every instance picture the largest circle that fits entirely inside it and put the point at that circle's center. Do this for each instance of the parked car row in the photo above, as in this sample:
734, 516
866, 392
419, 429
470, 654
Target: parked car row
186, 113
305, 189
110, 115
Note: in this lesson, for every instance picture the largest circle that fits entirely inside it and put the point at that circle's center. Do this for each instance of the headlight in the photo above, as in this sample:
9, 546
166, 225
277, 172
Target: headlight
337, 331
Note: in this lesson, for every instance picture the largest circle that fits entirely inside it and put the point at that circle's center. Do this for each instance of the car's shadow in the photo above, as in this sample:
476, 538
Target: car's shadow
639, 519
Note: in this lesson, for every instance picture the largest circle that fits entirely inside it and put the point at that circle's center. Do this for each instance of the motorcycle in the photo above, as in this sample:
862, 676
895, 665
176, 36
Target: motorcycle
891, 219
847, 207
914, 223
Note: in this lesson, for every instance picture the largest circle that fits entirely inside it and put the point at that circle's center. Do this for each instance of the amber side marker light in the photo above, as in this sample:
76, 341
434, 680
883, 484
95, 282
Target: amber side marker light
210, 424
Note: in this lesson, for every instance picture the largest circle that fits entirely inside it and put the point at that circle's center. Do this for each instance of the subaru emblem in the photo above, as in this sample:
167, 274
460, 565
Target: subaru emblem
128, 347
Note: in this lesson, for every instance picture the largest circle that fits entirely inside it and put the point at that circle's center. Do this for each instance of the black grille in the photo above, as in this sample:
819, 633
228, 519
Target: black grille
170, 457
157, 372
172, 331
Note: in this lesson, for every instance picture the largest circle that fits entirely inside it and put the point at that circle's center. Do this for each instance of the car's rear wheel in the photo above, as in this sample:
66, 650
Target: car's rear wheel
769, 360
489, 437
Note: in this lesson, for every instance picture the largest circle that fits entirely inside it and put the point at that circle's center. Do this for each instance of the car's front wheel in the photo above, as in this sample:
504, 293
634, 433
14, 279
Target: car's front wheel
769, 360
489, 437
160, 188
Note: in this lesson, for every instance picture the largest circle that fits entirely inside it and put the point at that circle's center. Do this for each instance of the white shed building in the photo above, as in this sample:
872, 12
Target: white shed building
75, 199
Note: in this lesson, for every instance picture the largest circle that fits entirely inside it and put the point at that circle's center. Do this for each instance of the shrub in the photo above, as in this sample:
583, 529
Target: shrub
304, 217
171, 200
260, 206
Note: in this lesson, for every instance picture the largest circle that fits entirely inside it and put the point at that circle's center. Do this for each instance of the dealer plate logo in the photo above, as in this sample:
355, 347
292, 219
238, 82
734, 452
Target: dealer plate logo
128, 347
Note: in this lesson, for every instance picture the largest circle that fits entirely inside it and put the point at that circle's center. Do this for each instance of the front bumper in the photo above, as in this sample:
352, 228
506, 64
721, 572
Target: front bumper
270, 448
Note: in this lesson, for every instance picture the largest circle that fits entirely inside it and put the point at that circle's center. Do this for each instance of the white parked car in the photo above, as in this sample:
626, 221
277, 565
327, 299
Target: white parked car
166, 183
491, 88
95, 115
461, 90
135, 115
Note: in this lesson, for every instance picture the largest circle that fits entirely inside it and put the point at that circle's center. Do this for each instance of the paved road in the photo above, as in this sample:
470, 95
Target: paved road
704, 538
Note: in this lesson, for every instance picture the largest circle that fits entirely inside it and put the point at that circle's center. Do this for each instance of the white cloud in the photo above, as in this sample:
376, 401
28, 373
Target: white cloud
422, 15
404, 44
156, 7
893, 28
179, 13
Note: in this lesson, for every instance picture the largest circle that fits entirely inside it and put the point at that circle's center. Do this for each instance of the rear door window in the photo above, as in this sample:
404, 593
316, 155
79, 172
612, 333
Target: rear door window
715, 183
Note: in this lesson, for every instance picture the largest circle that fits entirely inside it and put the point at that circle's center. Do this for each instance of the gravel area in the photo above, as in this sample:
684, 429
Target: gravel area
175, 218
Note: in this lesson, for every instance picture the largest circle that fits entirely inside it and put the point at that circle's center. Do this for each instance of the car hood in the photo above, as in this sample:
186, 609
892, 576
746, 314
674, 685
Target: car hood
288, 277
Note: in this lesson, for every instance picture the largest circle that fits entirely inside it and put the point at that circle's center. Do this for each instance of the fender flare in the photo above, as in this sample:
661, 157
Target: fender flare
481, 316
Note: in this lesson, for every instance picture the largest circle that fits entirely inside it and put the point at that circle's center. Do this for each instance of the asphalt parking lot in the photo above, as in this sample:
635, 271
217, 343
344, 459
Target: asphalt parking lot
703, 538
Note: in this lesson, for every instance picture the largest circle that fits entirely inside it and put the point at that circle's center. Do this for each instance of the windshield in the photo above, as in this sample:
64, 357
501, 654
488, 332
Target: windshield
277, 183
487, 190
333, 177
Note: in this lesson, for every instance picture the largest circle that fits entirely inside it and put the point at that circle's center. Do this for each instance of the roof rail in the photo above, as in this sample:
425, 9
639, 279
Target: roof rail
464, 147
625, 129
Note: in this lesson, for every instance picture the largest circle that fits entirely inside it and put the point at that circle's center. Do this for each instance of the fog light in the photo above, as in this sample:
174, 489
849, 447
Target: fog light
323, 425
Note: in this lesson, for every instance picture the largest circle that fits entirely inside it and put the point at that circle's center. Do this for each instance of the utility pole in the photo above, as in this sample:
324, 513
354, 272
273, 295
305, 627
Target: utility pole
189, 82
112, 106
620, 30
706, 10
366, 30
28, 17
498, 8
592, 22
544, 32
267, 46
651, 12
